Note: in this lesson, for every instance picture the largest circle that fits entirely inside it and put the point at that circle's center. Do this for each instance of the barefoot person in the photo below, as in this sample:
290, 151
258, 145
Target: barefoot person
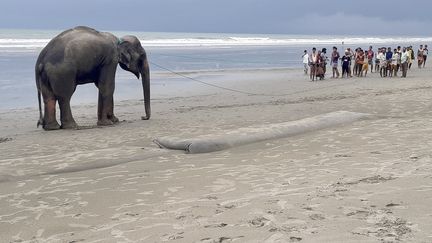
360, 57
411, 57
425, 54
395, 62
313, 59
334, 62
420, 56
365, 66
346, 60
305, 62
404, 62
324, 60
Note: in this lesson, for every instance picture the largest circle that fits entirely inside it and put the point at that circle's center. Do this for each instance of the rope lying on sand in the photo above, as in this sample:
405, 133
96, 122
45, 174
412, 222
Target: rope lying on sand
245, 92
243, 136
199, 81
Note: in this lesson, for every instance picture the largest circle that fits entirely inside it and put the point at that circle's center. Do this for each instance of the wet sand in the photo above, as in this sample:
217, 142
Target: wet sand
368, 181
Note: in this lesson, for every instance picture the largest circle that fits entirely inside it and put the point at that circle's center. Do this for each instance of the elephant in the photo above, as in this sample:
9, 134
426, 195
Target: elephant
84, 55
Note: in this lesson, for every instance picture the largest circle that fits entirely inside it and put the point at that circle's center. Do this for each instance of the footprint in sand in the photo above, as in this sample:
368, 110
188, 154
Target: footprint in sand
258, 222
222, 239
223, 185
282, 238
316, 216
3, 140
385, 227
221, 225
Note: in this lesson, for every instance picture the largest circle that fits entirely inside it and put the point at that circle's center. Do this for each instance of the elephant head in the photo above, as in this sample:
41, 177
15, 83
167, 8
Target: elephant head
133, 58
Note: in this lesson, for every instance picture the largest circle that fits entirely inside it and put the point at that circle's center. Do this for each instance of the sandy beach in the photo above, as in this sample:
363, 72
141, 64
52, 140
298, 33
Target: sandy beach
368, 181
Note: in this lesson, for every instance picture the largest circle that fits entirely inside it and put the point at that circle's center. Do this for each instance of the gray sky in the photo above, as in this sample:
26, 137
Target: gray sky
348, 17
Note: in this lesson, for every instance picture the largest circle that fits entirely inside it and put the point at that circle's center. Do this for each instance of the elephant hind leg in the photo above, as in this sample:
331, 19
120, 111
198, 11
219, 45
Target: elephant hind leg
67, 120
49, 121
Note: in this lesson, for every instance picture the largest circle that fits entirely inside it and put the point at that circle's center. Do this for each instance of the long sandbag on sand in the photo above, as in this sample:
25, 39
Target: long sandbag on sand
242, 136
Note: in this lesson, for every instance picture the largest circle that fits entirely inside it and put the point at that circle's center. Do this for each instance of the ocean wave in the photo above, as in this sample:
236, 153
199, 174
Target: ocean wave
234, 41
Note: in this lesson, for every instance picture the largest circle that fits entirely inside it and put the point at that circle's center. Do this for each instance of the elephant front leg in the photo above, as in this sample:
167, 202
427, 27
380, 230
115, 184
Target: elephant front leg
106, 111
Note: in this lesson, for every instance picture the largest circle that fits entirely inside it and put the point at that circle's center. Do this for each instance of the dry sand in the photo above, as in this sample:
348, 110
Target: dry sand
369, 181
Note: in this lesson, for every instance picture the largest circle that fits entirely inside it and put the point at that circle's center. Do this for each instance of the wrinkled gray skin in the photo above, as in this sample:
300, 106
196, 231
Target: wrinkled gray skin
83, 55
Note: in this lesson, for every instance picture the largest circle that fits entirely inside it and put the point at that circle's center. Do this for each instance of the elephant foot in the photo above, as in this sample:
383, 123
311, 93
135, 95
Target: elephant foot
114, 119
69, 125
105, 122
51, 126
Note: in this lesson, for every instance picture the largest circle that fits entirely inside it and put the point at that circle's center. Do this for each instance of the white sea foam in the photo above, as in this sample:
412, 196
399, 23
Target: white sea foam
213, 41
260, 41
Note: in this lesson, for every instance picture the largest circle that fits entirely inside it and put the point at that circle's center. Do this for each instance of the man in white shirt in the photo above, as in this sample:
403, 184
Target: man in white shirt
382, 63
305, 62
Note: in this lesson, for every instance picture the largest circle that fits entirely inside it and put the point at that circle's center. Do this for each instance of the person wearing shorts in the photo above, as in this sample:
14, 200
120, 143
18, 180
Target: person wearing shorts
334, 62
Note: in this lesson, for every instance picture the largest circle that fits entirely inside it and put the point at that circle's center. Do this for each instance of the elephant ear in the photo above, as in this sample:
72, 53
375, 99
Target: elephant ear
125, 56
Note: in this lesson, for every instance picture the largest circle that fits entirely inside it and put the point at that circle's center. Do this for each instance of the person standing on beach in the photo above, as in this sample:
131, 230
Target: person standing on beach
365, 66
404, 62
359, 61
346, 60
377, 60
382, 62
313, 58
425, 54
399, 51
389, 56
355, 59
305, 62
320, 66
420, 56
370, 56
324, 60
411, 57
394, 62
350, 54
334, 62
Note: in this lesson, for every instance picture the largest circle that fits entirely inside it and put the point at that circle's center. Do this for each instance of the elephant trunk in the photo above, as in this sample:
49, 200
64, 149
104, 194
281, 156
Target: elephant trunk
145, 76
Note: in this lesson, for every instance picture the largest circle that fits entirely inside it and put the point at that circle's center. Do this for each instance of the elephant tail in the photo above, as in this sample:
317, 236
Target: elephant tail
38, 87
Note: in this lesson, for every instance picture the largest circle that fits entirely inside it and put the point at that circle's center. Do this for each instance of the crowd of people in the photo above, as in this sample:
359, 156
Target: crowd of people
386, 62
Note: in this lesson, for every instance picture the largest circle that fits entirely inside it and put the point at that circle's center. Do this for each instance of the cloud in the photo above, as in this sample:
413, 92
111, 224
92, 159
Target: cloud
239, 16
344, 24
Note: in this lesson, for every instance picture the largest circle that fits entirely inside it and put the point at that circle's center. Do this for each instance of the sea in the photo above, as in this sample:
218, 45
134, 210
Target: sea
172, 53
